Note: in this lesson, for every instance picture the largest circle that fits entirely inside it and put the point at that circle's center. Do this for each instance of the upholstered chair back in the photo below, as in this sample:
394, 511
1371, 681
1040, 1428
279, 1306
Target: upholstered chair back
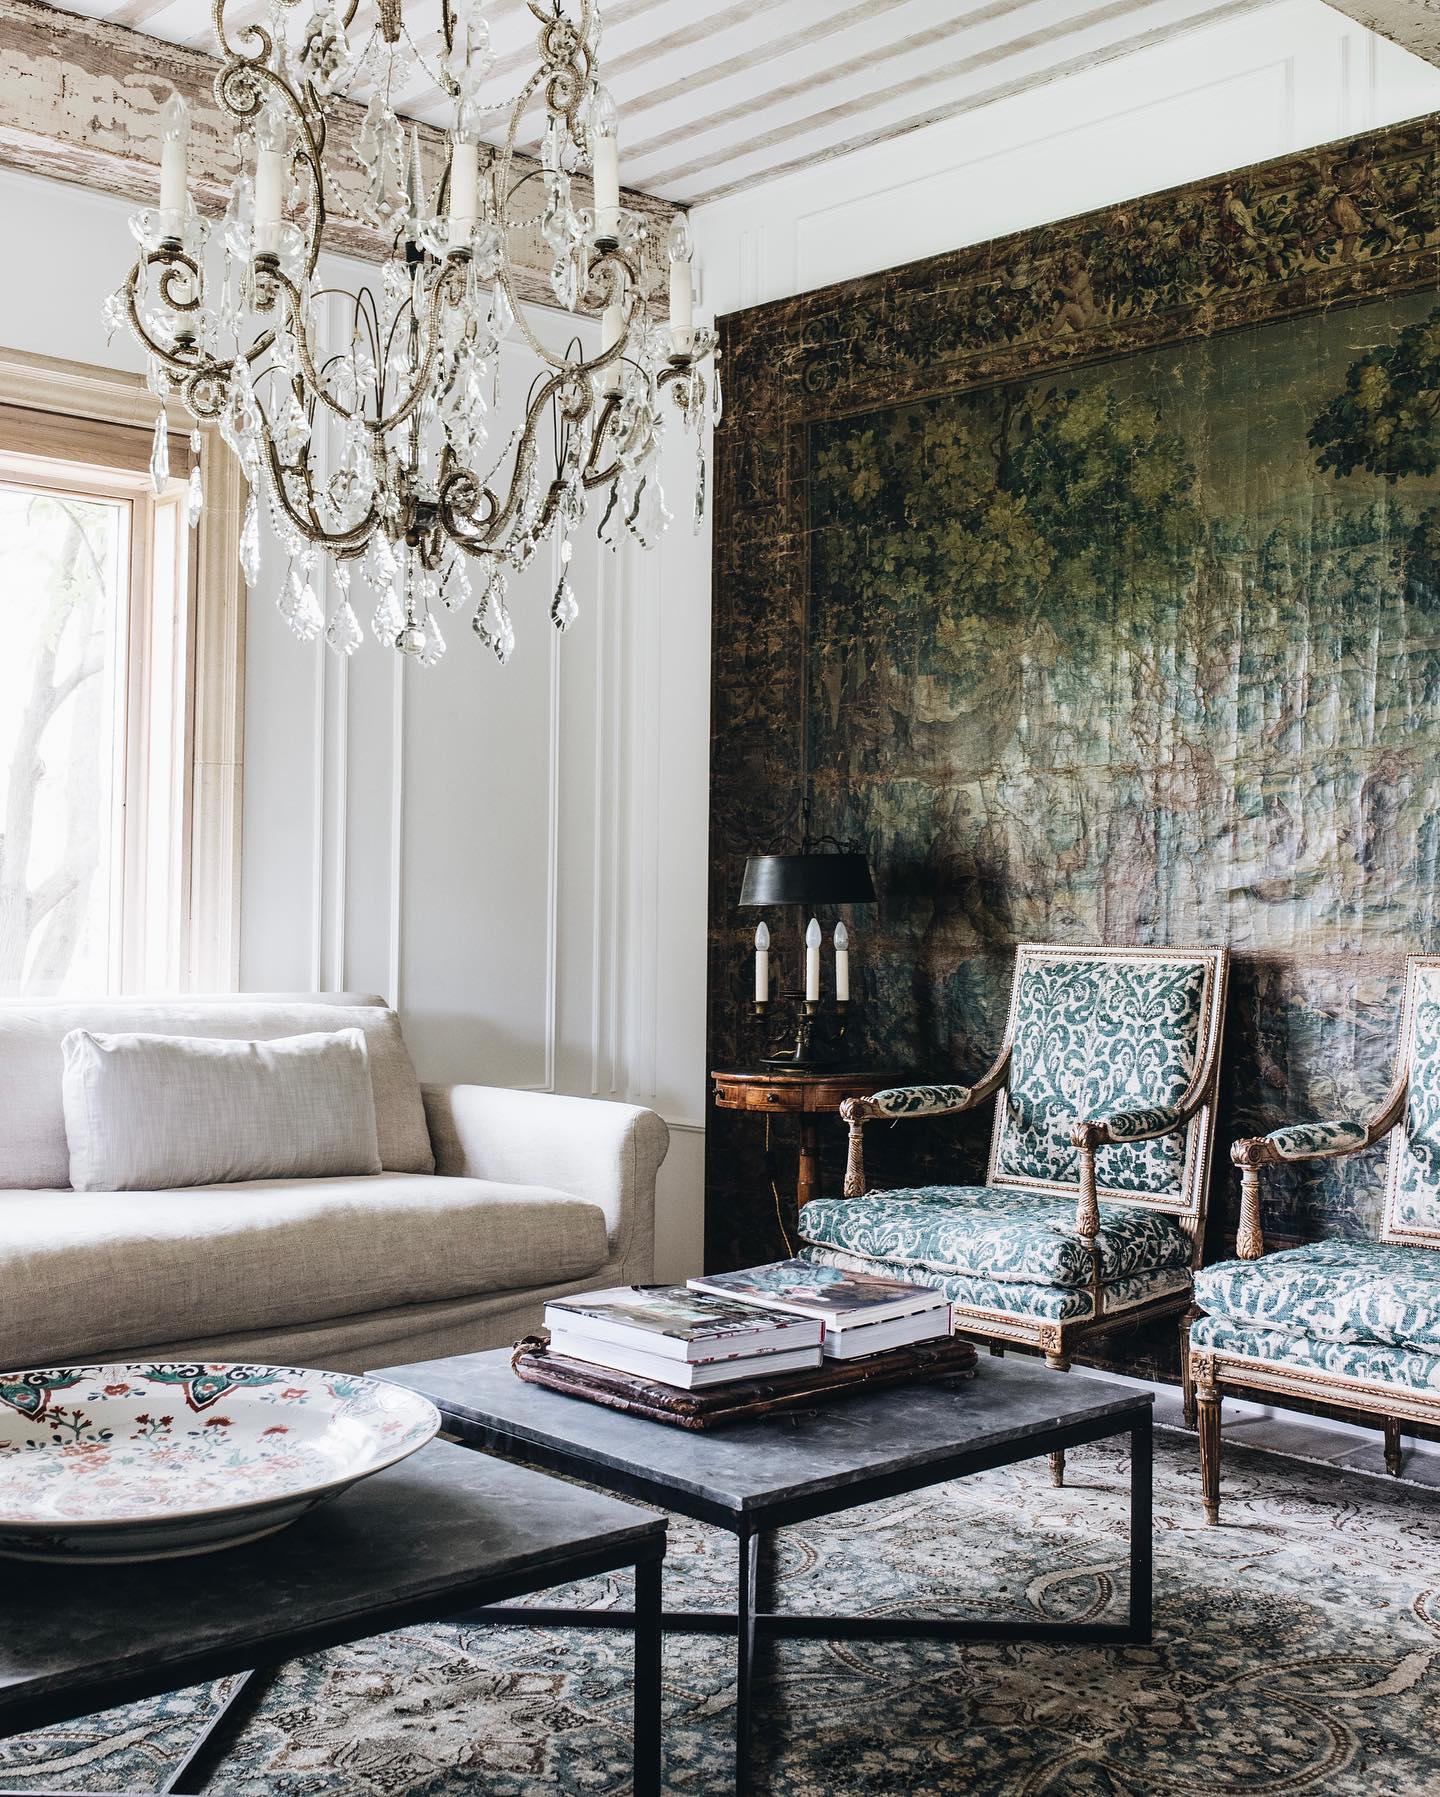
1412, 1183
1094, 1032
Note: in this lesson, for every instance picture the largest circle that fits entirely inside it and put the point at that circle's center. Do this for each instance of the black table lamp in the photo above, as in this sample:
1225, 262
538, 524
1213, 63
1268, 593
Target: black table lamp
810, 879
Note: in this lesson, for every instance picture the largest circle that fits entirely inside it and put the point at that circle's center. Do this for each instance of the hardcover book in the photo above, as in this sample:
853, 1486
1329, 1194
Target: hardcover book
689, 1375
678, 1323
838, 1296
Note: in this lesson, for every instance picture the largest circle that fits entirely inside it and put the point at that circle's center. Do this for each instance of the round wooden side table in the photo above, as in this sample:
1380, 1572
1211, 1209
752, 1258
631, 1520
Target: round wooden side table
813, 1097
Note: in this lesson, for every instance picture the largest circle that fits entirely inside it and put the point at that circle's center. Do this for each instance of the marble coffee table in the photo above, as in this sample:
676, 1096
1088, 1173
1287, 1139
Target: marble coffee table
443, 1536
750, 1478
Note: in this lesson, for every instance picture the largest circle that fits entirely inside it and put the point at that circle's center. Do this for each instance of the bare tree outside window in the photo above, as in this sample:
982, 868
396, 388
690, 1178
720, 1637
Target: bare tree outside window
63, 602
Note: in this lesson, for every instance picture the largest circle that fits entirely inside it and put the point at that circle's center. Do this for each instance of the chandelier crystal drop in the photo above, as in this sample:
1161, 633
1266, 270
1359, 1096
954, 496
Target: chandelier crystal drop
373, 443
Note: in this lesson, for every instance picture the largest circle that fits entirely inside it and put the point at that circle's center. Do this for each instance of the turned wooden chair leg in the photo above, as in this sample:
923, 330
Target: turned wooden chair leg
1057, 1467
1394, 1457
1187, 1377
1208, 1420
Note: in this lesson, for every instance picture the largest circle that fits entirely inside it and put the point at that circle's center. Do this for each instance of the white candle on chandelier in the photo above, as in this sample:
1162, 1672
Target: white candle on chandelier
812, 961
682, 288
842, 964
271, 169
464, 196
605, 163
174, 150
612, 329
762, 965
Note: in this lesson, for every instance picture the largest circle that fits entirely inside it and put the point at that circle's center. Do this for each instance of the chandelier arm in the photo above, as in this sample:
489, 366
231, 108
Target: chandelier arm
258, 32
422, 375
301, 337
310, 526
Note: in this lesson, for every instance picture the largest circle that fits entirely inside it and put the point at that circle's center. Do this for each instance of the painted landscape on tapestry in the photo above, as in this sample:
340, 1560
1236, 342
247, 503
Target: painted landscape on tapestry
1147, 652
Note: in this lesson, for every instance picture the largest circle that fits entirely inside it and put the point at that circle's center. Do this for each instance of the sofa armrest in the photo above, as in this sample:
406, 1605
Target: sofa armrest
591, 1148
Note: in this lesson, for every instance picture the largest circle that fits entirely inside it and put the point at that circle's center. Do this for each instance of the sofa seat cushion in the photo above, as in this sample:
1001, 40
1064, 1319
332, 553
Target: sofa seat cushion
87, 1274
1367, 1363
996, 1232
1344, 1291
1017, 1297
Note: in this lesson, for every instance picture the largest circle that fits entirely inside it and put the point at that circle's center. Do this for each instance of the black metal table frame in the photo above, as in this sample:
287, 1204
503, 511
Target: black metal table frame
748, 1621
482, 1601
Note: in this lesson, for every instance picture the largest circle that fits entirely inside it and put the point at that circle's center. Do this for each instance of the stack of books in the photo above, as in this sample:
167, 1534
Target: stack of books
859, 1313
671, 1335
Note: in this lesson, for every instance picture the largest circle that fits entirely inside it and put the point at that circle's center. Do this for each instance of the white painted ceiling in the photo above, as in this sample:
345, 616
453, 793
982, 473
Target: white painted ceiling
715, 95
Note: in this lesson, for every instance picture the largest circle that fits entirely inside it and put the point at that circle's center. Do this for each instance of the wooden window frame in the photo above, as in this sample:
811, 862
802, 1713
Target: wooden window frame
102, 419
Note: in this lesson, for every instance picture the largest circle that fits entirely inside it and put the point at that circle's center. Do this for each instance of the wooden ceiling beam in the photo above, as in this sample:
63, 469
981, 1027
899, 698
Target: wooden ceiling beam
1412, 24
80, 102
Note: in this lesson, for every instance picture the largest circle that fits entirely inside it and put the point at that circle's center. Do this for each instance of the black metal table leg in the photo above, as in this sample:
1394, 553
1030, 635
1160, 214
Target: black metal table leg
744, 1657
647, 1678
1142, 1527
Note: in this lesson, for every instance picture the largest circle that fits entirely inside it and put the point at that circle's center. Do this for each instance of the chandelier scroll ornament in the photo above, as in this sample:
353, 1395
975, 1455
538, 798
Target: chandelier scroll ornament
361, 417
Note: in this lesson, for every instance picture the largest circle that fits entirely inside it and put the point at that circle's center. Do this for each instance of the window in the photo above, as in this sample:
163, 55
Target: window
119, 697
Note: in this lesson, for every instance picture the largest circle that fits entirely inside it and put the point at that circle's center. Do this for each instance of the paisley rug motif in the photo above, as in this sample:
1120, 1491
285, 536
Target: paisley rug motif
1297, 1654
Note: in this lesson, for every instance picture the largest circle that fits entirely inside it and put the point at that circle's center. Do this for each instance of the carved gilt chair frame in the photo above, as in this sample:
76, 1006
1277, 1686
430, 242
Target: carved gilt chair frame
1211, 1372
1194, 1113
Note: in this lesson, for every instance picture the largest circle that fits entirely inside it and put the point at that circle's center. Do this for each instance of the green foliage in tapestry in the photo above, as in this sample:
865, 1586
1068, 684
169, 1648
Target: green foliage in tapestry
1385, 420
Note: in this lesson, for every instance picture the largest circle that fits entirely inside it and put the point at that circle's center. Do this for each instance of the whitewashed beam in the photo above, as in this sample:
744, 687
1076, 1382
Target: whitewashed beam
80, 101
1413, 24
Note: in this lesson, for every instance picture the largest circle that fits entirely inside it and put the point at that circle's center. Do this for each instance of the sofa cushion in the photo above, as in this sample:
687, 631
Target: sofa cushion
1016, 1297
33, 1147
1371, 1363
84, 1275
1345, 1291
997, 1232
147, 1112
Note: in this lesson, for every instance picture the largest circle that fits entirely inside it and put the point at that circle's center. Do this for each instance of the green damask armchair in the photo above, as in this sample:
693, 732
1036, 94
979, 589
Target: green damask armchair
1351, 1324
1092, 1213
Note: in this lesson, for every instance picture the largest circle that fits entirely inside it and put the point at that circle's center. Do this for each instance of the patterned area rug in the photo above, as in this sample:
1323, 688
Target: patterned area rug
1297, 1650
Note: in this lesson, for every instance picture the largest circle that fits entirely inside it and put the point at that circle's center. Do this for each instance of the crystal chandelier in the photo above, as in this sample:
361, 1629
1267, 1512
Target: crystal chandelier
370, 445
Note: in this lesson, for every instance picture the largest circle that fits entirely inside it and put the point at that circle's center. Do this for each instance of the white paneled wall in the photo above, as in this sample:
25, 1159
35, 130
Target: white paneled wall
517, 855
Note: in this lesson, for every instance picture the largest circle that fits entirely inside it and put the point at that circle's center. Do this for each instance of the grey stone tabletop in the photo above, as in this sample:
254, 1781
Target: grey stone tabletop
444, 1526
753, 1465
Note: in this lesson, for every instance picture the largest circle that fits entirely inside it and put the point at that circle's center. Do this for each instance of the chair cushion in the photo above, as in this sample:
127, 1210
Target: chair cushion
84, 1275
996, 1232
1016, 1297
1371, 1363
1344, 1291
1093, 1037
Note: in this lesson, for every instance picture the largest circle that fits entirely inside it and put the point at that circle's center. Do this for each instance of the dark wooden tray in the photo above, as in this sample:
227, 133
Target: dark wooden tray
747, 1399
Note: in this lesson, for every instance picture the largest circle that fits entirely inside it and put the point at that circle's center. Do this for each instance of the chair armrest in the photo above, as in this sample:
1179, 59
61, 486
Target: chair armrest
590, 1148
898, 1104
910, 1101
1298, 1142
1315, 1141
1134, 1126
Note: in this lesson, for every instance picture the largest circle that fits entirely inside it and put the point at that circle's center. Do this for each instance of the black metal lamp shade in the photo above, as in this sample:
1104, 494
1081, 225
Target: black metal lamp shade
820, 879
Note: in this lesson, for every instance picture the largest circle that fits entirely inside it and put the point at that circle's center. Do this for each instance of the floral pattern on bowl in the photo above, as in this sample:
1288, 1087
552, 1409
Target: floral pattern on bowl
151, 1461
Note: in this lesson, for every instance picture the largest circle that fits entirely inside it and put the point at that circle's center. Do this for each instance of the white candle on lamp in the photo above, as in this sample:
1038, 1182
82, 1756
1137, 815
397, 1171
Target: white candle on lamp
812, 961
842, 964
174, 152
762, 965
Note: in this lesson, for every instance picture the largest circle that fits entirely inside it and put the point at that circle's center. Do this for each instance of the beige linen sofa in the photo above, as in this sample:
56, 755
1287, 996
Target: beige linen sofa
490, 1202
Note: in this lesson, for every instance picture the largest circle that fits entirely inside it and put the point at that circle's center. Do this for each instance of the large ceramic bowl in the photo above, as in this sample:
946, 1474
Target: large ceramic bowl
114, 1463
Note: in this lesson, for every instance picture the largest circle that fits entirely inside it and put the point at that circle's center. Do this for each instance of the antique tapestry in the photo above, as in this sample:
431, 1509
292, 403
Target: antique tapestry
1091, 579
